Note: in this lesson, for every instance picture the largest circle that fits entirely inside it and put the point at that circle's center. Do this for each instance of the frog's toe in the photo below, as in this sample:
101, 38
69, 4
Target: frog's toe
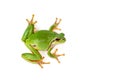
57, 21
56, 28
41, 62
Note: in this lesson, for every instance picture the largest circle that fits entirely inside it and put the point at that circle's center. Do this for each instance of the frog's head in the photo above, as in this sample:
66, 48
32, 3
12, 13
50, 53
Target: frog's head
60, 38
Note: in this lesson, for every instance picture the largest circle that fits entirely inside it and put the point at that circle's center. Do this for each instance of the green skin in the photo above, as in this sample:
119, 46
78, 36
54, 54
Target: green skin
42, 40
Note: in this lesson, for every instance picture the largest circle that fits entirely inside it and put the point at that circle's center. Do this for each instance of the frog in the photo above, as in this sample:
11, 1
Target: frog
42, 40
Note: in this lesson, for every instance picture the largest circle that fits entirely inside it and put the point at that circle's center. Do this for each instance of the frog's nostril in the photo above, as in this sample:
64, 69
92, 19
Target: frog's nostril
64, 39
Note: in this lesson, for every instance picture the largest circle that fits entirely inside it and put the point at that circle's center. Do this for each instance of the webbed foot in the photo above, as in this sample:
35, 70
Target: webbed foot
40, 62
57, 22
31, 21
55, 25
57, 55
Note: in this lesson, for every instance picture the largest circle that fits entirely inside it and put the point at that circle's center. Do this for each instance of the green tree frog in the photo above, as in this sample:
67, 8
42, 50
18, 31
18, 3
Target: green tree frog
41, 40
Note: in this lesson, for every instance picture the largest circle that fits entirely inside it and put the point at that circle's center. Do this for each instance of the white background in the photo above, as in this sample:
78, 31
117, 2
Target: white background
92, 29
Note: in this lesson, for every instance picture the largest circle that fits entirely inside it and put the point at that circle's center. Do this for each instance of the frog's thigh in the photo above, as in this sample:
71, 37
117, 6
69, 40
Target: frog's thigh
29, 56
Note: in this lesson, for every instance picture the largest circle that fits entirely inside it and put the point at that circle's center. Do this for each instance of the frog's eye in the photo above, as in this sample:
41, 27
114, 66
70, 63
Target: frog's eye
57, 39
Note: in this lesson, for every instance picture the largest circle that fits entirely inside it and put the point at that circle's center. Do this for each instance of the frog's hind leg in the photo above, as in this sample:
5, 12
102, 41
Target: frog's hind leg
34, 59
55, 25
32, 22
54, 55
30, 29
29, 57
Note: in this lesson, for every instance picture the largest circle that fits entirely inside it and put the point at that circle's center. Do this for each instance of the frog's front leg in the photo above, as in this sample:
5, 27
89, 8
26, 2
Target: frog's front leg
34, 57
54, 55
55, 25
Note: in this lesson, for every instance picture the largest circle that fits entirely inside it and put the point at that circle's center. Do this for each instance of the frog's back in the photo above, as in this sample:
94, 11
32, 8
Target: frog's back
42, 39
43, 35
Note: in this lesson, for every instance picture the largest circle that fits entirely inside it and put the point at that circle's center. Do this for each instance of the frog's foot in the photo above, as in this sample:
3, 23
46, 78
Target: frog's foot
56, 23
40, 62
31, 21
57, 55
